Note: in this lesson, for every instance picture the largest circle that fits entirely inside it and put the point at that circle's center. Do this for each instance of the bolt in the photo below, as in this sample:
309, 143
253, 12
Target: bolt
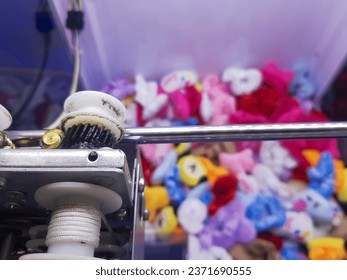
121, 214
3, 182
145, 214
52, 139
142, 184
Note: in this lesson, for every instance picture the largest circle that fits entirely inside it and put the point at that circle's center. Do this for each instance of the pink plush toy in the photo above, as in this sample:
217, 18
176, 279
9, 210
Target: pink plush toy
221, 102
155, 153
237, 163
297, 146
180, 105
277, 78
242, 117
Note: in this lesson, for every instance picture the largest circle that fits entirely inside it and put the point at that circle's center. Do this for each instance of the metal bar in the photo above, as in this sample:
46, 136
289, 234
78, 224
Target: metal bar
256, 132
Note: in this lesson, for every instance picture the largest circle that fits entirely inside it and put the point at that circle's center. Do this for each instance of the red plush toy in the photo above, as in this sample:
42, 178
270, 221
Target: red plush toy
224, 190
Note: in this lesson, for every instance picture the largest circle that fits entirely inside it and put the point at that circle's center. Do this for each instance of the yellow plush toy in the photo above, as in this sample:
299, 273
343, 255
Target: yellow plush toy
191, 170
165, 222
213, 171
327, 248
156, 197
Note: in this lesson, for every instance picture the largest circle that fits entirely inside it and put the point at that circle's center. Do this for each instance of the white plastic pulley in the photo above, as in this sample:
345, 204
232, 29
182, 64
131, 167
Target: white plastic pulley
94, 107
74, 229
5, 118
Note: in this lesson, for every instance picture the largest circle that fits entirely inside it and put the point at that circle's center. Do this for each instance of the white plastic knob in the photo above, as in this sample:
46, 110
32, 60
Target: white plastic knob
5, 118
94, 107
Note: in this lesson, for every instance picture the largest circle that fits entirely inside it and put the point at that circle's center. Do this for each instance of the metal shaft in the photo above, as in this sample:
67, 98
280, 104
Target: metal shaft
256, 132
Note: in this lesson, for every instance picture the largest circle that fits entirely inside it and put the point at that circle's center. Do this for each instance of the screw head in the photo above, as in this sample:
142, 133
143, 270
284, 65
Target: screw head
12, 205
142, 185
52, 139
121, 214
145, 214
3, 182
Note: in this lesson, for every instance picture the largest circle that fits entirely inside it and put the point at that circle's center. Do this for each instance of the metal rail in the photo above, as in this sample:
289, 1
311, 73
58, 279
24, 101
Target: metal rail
256, 132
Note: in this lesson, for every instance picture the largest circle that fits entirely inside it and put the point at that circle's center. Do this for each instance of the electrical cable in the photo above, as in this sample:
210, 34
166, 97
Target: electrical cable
44, 24
75, 23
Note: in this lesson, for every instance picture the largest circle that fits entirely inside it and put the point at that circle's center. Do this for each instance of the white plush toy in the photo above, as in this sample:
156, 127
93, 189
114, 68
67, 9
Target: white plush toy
146, 94
178, 80
242, 81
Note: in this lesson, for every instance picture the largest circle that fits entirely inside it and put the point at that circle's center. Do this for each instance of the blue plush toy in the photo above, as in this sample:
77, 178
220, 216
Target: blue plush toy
174, 186
168, 163
266, 212
202, 192
301, 86
322, 176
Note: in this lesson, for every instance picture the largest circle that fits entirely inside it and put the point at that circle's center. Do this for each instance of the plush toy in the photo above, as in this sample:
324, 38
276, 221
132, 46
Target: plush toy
291, 251
119, 88
165, 222
213, 171
277, 78
241, 162
192, 171
276, 157
243, 117
197, 252
315, 205
322, 176
221, 102
248, 183
180, 105
224, 190
228, 227
156, 197
266, 212
313, 156
202, 192
155, 153
147, 96
167, 164
271, 185
178, 80
191, 215
342, 193
242, 81
257, 249
298, 227
301, 86
327, 248
174, 186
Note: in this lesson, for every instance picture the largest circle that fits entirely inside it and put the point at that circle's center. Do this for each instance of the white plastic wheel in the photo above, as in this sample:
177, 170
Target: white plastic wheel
5, 118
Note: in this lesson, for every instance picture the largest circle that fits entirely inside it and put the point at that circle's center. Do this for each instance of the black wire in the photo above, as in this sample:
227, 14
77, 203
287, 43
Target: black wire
44, 25
30, 96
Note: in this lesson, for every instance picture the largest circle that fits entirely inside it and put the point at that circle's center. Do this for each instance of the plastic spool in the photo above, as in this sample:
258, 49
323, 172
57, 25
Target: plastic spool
5, 118
74, 229
94, 107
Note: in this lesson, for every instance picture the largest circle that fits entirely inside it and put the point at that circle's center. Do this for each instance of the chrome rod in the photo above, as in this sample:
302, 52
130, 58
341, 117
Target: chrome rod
256, 132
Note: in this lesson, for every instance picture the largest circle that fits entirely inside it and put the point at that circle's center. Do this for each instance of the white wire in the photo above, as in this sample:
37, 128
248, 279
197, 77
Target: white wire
76, 73
75, 223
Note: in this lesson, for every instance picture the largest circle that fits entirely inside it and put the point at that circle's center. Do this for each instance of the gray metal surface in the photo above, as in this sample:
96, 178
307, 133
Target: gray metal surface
28, 169
252, 132
138, 239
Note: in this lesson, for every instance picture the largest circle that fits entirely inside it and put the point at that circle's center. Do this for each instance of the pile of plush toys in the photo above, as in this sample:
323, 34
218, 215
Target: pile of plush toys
242, 200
